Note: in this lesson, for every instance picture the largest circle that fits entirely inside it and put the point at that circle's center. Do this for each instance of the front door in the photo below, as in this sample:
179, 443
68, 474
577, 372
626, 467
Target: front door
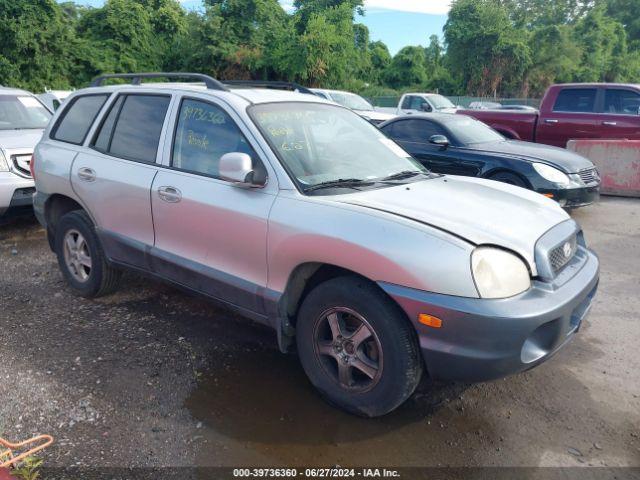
211, 235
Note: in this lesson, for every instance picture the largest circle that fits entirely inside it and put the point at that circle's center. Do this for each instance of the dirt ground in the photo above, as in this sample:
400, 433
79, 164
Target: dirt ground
152, 376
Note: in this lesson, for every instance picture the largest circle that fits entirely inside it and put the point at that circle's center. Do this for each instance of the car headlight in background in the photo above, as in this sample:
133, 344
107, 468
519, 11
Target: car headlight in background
499, 274
552, 174
4, 166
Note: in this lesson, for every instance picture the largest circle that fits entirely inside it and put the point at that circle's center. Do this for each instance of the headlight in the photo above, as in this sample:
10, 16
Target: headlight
552, 174
4, 166
498, 274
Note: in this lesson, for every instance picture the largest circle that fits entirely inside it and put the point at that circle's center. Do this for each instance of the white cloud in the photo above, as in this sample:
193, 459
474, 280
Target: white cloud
435, 7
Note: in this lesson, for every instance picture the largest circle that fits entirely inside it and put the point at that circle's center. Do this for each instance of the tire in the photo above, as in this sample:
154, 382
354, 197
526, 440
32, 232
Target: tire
510, 178
89, 281
391, 346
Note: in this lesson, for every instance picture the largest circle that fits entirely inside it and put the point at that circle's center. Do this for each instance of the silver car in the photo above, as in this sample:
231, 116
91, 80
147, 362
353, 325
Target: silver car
303, 216
22, 120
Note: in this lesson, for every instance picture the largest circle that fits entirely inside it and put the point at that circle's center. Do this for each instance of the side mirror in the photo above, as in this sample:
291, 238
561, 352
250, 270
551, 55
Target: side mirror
425, 107
440, 140
237, 168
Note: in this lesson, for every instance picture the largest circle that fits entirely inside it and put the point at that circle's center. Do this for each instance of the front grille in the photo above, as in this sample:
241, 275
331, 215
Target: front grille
21, 164
589, 175
562, 254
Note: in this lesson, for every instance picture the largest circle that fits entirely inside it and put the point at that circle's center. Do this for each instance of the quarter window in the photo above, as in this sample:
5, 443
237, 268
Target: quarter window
622, 102
133, 126
77, 119
205, 133
576, 100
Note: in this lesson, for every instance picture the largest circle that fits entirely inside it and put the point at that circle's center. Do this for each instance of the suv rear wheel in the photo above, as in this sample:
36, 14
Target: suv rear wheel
81, 257
357, 347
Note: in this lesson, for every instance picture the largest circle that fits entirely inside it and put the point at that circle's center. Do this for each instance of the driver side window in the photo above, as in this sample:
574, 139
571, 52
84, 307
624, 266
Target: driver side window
204, 134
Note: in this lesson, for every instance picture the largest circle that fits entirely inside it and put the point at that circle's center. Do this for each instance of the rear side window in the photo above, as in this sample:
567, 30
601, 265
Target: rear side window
76, 120
622, 102
133, 127
576, 100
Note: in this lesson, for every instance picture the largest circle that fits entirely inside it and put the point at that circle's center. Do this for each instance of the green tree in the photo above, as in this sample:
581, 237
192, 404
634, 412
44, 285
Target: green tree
35, 44
408, 67
484, 48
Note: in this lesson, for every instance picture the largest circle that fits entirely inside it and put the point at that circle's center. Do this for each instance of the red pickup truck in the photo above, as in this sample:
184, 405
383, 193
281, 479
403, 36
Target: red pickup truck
572, 111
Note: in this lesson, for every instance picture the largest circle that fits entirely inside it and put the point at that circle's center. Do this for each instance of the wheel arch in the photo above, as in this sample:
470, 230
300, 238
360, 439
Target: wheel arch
302, 280
495, 171
56, 206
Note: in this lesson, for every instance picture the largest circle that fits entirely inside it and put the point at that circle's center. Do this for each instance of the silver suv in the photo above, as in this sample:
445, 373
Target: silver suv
22, 120
303, 216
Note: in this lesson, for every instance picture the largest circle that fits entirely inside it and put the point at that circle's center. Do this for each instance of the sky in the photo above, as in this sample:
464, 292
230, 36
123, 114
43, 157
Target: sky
396, 22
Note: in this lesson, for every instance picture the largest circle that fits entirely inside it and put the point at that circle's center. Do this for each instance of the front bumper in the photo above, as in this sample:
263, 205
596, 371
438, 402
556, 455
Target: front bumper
574, 197
487, 339
15, 192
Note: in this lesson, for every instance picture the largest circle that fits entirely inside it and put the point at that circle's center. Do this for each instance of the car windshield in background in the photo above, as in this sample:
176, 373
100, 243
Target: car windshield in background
19, 112
351, 100
323, 143
470, 132
440, 102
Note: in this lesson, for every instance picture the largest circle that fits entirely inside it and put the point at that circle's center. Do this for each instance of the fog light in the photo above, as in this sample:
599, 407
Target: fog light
430, 320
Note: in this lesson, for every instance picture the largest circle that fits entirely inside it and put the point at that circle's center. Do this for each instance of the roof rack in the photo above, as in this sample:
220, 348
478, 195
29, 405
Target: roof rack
136, 78
269, 84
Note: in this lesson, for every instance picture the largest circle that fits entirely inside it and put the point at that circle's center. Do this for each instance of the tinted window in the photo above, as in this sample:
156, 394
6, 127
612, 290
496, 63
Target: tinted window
137, 130
416, 130
580, 100
469, 131
204, 134
622, 102
406, 103
104, 136
76, 120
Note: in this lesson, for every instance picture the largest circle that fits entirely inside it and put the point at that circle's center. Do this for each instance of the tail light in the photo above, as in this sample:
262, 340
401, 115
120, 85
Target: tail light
32, 166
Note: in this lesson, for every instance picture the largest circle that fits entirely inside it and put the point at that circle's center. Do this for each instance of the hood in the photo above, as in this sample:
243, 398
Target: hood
480, 211
375, 115
20, 139
567, 161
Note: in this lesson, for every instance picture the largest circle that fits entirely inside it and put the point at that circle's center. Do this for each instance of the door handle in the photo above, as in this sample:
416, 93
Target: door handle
87, 174
169, 194
551, 120
610, 124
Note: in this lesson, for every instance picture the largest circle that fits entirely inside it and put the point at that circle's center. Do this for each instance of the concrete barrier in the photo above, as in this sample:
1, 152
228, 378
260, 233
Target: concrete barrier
618, 162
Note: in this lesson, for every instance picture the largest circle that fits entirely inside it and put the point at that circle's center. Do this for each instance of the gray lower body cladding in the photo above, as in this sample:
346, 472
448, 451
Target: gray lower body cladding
488, 339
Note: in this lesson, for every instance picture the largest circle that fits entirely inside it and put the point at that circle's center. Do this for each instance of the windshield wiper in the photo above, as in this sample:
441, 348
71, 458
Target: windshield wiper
340, 183
404, 174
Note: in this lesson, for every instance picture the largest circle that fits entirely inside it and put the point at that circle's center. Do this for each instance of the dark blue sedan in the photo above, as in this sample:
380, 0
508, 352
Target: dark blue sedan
461, 145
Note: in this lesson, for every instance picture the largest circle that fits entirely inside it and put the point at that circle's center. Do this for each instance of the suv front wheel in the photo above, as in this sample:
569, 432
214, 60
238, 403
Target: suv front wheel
81, 257
357, 347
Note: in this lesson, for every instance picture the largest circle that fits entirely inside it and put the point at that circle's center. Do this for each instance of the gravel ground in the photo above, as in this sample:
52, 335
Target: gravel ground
152, 376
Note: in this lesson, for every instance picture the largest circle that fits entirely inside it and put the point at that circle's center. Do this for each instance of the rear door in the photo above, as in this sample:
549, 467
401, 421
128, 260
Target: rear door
211, 235
621, 113
573, 117
113, 177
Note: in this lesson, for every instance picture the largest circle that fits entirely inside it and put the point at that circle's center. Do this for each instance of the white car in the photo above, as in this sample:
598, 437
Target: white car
411, 103
22, 120
356, 103
54, 98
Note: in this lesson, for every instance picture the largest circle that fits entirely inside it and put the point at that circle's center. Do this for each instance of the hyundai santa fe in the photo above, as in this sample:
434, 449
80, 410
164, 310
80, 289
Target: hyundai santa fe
303, 216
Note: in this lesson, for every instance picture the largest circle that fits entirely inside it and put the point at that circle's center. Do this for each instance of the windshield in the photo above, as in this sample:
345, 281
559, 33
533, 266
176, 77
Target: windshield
351, 100
440, 102
469, 131
19, 112
320, 143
